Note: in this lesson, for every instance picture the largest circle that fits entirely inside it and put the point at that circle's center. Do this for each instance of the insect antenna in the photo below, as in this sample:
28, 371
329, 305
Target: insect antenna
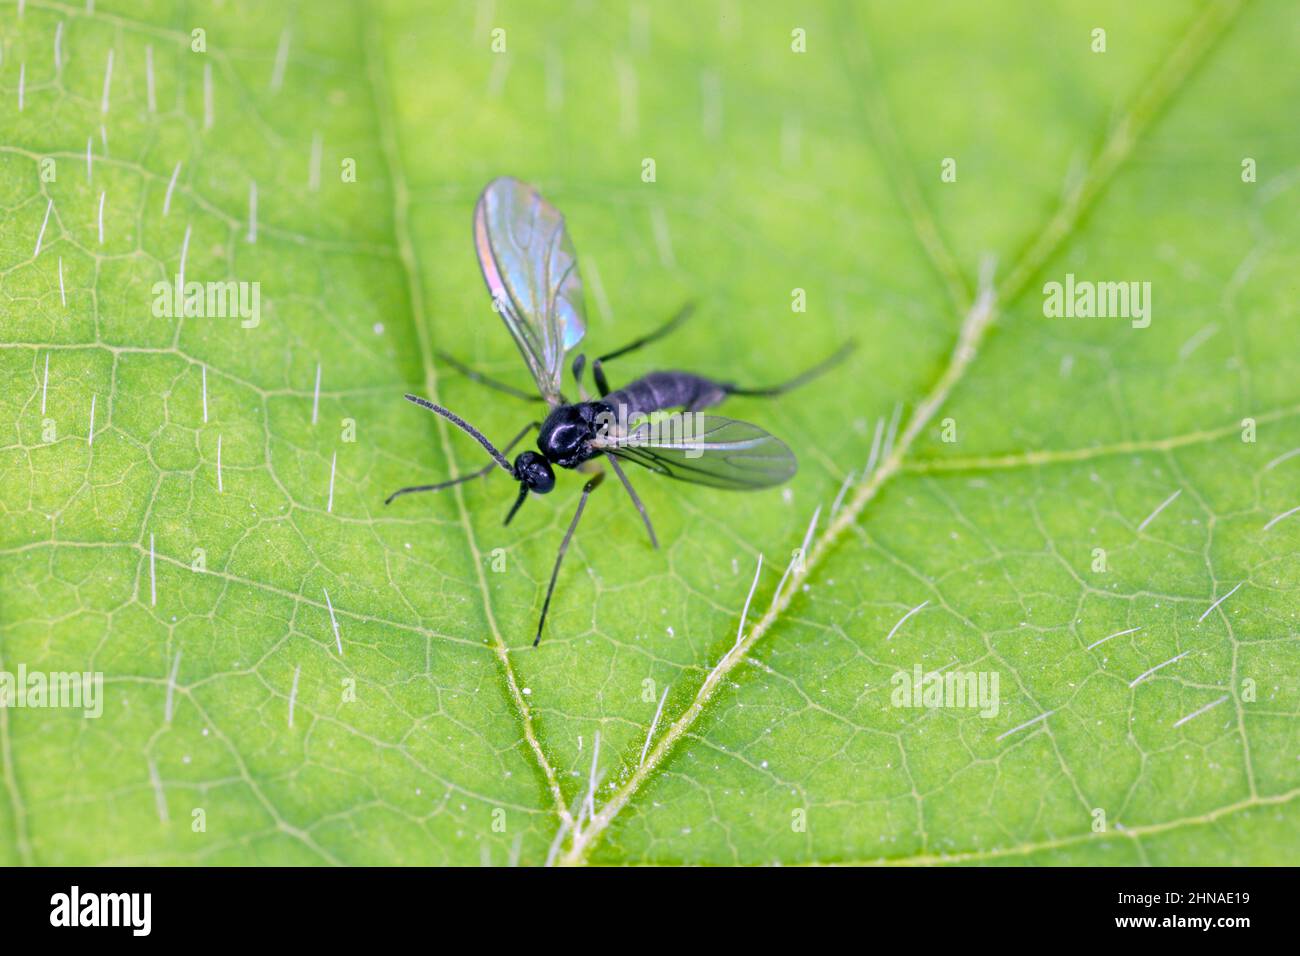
465, 427
821, 368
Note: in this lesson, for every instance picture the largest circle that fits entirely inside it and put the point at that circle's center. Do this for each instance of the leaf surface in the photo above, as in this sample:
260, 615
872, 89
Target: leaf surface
216, 605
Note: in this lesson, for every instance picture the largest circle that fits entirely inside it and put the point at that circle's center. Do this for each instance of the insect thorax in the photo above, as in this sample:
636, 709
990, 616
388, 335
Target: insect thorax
565, 437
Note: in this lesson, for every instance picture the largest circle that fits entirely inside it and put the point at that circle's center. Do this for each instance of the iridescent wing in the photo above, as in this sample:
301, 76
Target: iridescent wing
705, 450
531, 270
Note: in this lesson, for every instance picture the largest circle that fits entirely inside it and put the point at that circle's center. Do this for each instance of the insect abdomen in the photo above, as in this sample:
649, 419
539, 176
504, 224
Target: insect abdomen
663, 390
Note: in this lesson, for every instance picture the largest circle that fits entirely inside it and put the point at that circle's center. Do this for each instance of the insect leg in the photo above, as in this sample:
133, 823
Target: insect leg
803, 378
598, 373
636, 500
485, 380
587, 489
681, 316
486, 469
519, 503
579, 364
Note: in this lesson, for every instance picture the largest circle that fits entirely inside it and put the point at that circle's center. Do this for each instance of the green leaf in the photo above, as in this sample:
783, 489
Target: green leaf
215, 599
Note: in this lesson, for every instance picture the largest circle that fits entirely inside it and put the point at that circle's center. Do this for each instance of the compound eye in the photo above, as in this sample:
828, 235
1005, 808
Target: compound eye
542, 479
535, 472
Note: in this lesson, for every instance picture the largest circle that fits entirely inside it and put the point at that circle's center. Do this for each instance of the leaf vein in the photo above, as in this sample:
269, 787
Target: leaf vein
1170, 76
406, 249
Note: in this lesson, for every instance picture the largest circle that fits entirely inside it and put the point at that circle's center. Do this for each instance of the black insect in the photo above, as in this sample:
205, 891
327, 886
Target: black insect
531, 270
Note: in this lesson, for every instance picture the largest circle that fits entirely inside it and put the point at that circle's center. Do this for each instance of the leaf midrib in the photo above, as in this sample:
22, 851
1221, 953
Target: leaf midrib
1209, 27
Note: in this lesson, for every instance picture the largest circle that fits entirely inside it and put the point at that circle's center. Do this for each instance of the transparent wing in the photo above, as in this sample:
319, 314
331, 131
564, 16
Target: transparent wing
531, 270
705, 450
